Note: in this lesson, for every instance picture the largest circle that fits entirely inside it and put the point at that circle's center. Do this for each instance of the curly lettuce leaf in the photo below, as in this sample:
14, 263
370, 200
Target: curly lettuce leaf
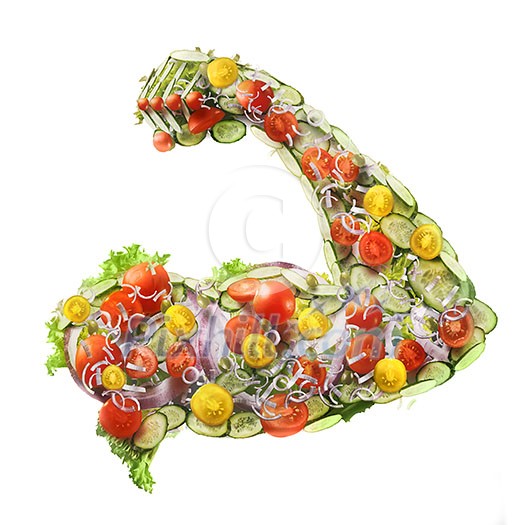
55, 336
230, 269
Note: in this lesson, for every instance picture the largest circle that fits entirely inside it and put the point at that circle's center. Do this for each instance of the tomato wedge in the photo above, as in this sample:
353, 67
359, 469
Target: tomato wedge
456, 327
244, 290
280, 125
292, 418
180, 356
120, 421
373, 349
375, 248
204, 119
141, 362
410, 353
254, 95
316, 163
311, 369
344, 230
343, 169
238, 328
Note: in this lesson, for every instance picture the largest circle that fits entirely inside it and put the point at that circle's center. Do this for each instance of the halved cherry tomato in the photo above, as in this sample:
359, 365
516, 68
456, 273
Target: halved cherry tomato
238, 328
222, 72
341, 230
316, 163
244, 290
456, 327
152, 283
174, 102
292, 418
143, 104
280, 126
121, 422
141, 362
203, 119
93, 350
194, 100
212, 404
163, 141
390, 375
343, 169
254, 95
311, 369
375, 248
180, 356
156, 103
364, 311
118, 308
426, 241
410, 353
373, 349
274, 301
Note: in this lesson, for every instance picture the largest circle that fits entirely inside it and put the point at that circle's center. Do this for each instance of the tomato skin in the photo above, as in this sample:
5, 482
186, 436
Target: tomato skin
194, 100
142, 356
321, 159
238, 328
341, 235
343, 169
174, 102
278, 126
410, 353
372, 346
375, 248
179, 357
143, 104
312, 369
118, 422
253, 97
293, 418
163, 141
355, 312
244, 290
456, 332
149, 280
113, 312
94, 346
156, 103
203, 119
274, 301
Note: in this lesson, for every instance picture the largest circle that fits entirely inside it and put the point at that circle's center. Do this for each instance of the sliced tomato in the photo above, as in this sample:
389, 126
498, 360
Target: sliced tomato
280, 126
274, 301
194, 100
345, 230
152, 283
120, 421
118, 308
373, 349
364, 311
254, 96
174, 102
95, 349
143, 104
311, 369
179, 357
343, 169
163, 141
204, 119
375, 248
410, 353
238, 328
156, 103
244, 290
292, 418
456, 327
316, 163
141, 362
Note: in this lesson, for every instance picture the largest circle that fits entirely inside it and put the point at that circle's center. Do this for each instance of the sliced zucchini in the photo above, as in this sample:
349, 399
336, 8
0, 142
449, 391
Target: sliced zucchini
398, 229
228, 131
264, 272
244, 425
151, 432
437, 370
224, 285
396, 301
477, 337
484, 316
297, 280
186, 138
197, 426
230, 105
289, 95
453, 265
467, 359
316, 408
161, 341
324, 423
232, 383
263, 137
228, 304
362, 277
309, 136
176, 415
418, 388
289, 161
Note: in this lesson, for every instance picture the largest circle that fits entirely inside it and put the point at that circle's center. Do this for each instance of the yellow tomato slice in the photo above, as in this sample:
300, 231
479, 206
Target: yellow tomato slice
258, 350
313, 323
212, 404
378, 201
179, 320
390, 375
222, 72
113, 377
426, 241
77, 309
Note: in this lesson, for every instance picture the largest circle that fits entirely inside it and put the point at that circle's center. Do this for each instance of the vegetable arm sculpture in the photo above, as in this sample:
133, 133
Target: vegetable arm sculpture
272, 347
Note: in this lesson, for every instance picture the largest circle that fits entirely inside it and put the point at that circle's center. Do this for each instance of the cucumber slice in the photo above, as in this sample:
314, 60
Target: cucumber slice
101, 287
343, 140
328, 305
297, 280
484, 316
228, 131
323, 424
387, 397
362, 277
289, 161
264, 272
467, 359
289, 95
178, 293
346, 393
186, 138
447, 248
399, 189
175, 278
439, 371
232, 383
332, 260
161, 341
263, 76
230, 105
176, 415
244, 425
396, 302
324, 290
224, 285
477, 338
190, 334
263, 137
316, 408
197, 426
398, 229
191, 283
421, 219
185, 55
453, 266
151, 431
228, 304
311, 135
401, 208
418, 388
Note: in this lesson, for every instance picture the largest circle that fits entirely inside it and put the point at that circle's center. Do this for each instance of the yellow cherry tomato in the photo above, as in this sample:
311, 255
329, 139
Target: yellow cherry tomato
378, 201
258, 350
77, 309
426, 241
212, 404
113, 377
390, 375
313, 323
222, 72
179, 320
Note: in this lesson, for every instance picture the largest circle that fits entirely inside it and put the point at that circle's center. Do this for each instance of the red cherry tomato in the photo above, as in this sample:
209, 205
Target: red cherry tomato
118, 308
180, 356
373, 349
274, 301
364, 311
174, 102
203, 119
311, 369
141, 362
152, 283
95, 349
156, 103
254, 95
143, 104
343, 169
120, 421
293, 417
375, 248
244, 290
163, 141
410, 353
456, 327
316, 163
194, 100
340, 231
237, 328
280, 126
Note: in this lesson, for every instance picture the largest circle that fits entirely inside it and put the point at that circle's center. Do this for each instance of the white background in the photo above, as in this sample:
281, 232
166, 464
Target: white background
433, 89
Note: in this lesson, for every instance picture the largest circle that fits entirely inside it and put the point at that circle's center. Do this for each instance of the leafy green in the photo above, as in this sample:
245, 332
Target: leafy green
230, 269
398, 267
55, 336
139, 116
138, 461
349, 411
